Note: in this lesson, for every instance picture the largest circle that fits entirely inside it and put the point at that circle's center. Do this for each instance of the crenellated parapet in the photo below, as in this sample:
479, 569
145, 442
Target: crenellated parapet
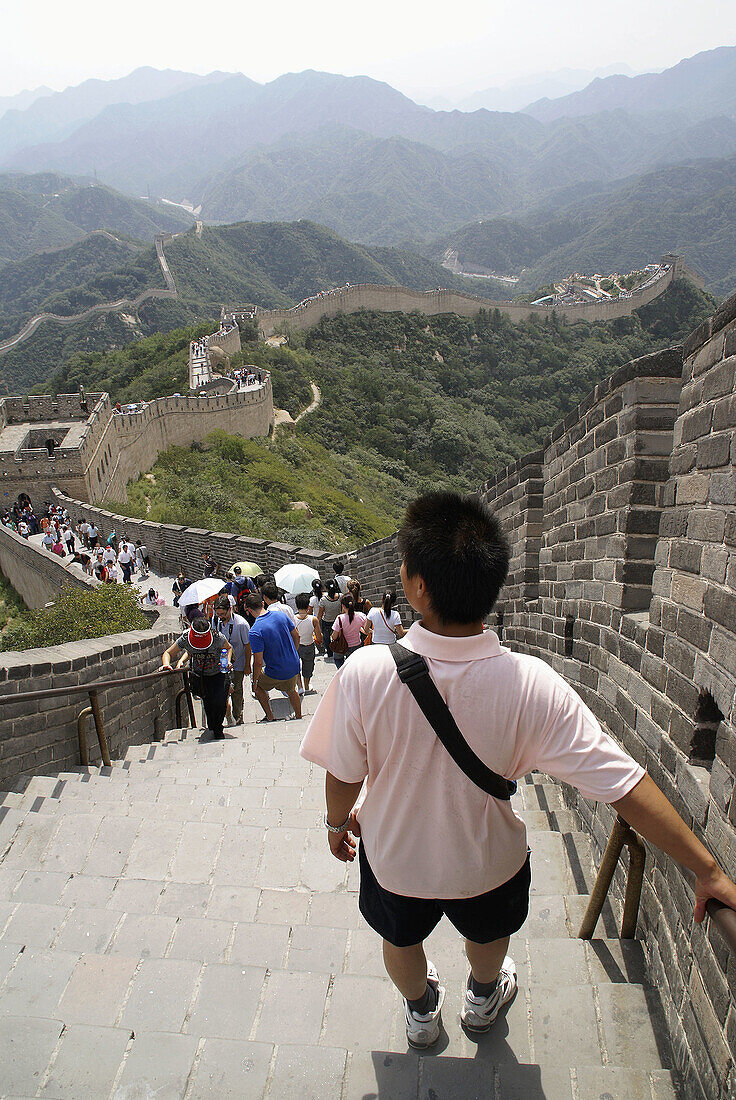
400, 299
83, 445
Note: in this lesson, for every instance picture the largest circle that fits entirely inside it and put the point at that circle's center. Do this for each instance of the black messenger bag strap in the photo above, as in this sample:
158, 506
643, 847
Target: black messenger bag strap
413, 671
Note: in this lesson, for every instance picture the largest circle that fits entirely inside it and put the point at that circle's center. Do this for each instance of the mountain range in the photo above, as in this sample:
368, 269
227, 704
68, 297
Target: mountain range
270, 264
688, 208
361, 157
631, 165
46, 210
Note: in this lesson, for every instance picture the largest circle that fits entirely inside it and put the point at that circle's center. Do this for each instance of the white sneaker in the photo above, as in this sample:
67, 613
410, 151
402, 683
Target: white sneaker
478, 1013
423, 1031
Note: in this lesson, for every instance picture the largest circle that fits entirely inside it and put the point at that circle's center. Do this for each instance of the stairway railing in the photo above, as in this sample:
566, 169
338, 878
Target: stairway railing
94, 710
623, 836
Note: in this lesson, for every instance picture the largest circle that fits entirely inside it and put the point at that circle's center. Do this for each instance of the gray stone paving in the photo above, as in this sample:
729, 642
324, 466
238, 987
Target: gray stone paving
174, 927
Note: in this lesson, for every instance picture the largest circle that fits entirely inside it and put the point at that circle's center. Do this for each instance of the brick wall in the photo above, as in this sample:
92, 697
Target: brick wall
623, 578
401, 299
41, 738
636, 607
35, 574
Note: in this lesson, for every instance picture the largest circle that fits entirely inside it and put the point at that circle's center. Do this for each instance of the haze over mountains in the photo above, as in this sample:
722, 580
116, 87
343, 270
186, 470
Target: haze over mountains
631, 165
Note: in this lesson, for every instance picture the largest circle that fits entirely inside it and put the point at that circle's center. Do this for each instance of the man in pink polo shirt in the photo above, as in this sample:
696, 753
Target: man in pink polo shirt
432, 842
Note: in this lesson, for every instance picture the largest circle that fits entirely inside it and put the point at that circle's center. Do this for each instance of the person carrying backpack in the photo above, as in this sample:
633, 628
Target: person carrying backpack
441, 724
141, 559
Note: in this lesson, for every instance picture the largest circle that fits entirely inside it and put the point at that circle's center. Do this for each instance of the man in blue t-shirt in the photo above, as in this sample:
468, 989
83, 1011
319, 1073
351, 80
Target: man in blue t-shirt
273, 641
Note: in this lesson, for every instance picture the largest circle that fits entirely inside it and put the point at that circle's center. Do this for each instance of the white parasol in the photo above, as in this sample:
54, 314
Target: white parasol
296, 578
200, 591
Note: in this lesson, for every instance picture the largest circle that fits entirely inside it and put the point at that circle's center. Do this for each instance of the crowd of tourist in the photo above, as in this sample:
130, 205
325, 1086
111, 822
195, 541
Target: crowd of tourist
272, 635
112, 561
321, 296
244, 377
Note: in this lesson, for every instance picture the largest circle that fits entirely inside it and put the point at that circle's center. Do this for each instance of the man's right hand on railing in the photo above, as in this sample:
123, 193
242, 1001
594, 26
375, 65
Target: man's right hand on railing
654, 817
717, 885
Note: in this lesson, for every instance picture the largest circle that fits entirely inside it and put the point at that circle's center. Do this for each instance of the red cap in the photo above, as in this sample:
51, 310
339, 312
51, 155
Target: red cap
200, 641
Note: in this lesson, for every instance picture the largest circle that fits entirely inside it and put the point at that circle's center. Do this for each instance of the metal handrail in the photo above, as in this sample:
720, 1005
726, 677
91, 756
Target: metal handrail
92, 689
721, 916
622, 836
82, 689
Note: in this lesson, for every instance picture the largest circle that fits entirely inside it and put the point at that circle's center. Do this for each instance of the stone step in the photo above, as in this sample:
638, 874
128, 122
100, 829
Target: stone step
89, 1060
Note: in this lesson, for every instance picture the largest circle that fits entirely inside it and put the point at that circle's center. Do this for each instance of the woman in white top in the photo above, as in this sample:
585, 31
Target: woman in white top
329, 609
384, 624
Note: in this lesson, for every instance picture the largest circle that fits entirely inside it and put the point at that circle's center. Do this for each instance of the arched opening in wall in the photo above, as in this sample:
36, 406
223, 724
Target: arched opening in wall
569, 628
707, 720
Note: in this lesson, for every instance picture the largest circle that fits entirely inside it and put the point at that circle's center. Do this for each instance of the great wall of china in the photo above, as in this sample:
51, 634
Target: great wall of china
623, 577
390, 299
169, 291
350, 299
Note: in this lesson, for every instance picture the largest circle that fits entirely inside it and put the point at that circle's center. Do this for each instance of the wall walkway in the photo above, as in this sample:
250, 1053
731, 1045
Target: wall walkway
400, 299
623, 577
103, 307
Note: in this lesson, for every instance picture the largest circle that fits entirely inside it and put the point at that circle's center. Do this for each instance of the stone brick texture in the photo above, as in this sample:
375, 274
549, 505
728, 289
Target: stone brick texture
40, 736
623, 578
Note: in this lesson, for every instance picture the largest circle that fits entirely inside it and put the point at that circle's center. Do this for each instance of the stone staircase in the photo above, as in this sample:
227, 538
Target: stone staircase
175, 927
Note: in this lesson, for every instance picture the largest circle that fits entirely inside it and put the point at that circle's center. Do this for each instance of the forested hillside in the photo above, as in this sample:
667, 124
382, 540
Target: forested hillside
47, 210
690, 209
408, 402
100, 268
277, 264
269, 264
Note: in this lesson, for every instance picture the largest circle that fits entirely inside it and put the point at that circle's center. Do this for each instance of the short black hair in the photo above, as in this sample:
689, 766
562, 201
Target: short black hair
302, 600
459, 549
270, 591
254, 601
338, 566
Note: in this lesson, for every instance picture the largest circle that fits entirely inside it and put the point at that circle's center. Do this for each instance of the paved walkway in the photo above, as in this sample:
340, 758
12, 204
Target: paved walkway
161, 583
174, 927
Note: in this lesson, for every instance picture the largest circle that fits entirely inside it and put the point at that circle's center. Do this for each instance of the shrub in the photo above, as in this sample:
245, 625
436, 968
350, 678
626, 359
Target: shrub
77, 613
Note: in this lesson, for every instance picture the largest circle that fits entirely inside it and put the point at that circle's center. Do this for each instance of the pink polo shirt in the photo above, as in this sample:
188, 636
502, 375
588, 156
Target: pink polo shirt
428, 831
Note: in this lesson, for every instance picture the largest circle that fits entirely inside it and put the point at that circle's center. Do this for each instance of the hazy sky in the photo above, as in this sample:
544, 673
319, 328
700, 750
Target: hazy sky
411, 44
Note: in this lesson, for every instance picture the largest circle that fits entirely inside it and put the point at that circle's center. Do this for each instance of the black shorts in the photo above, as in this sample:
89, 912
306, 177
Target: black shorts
405, 921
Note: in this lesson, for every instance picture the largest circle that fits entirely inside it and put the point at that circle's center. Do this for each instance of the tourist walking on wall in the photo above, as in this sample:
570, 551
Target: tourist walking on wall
432, 840
348, 626
362, 603
209, 565
273, 641
126, 560
310, 636
341, 578
141, 559
235, 629
203, 647
329, 609
384, 623
181, 582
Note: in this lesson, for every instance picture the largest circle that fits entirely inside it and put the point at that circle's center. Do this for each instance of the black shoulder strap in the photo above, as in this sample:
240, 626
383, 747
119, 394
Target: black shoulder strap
413, 671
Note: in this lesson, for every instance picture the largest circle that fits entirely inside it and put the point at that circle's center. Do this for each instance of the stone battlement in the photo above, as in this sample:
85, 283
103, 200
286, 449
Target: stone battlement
623, 577
85, 447
399, 299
